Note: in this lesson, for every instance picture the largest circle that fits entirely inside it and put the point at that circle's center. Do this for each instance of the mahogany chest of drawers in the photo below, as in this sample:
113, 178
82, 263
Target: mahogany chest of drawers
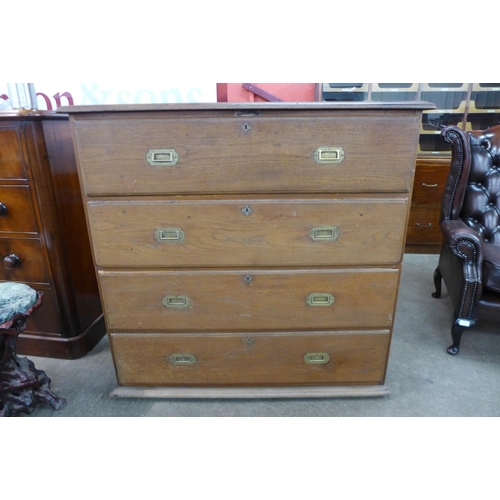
43, 237
424, 232
248, 250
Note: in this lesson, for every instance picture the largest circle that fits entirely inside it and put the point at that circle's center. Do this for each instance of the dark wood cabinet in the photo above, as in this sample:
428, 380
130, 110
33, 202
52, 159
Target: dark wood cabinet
469, 106
424, 234
43, 235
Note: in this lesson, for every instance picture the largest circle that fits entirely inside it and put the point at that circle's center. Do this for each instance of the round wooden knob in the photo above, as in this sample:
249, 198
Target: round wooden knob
3, 209
11, 261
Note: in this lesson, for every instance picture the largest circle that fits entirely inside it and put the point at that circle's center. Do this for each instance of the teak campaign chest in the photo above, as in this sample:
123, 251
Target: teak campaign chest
248, 250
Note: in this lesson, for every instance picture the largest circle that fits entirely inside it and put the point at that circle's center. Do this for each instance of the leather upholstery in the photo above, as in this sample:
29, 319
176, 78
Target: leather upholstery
469, 261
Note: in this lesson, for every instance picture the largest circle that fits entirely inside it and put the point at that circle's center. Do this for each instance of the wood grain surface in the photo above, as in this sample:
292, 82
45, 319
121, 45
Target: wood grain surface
20, 217
257, 359
273, 154
248, 299
244, 232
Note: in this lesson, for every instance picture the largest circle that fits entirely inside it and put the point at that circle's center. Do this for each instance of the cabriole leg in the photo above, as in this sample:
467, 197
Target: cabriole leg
437, 283
458, 327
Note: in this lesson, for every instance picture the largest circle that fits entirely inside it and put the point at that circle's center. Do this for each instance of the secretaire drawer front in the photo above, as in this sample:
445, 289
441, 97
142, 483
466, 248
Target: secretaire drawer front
277, 232
248, 300
22, 260
16, 210
232, 154
251, 359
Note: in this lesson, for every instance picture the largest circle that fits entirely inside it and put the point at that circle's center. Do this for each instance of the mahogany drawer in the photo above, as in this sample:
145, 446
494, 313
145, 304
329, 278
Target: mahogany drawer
47, 318
430, 180
248, 300
224, 153
261, 232
354, 357
30, 266
16, 210
12, 164
423, 225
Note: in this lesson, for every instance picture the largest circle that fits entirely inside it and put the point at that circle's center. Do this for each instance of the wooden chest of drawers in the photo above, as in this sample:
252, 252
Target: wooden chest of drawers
424, 233
43, 237
248, 249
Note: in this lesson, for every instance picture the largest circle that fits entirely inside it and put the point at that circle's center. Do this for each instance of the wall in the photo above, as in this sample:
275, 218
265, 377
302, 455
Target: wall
51, 95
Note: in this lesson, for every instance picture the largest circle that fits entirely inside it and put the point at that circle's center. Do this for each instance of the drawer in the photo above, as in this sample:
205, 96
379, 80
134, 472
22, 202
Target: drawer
251, 359
201, 300
11, 153
423, 225
229, 154
16, 210
258, 232
429, 183
30, 266
46, 320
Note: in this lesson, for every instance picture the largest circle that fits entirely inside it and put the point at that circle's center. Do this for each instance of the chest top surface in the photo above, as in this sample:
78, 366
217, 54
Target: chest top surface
235, 106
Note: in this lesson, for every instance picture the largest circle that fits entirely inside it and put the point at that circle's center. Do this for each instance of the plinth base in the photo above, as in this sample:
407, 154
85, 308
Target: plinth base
250, 392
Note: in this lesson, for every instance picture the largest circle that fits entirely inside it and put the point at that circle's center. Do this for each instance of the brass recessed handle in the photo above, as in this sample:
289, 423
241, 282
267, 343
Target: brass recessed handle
176, 301
429, 185
11, 261
320, 299
317, 358
169, 234
329, 154
422, 226
3, 209
324, 233
162, 157
182, 359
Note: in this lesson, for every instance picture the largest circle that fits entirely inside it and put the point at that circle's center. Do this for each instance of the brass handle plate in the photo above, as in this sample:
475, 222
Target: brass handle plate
320, 299
176, 301
324, 233
169, 234
162, 157
329, 155
183, 359
317, 358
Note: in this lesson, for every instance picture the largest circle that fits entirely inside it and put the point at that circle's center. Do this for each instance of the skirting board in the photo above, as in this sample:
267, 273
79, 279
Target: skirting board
250, 392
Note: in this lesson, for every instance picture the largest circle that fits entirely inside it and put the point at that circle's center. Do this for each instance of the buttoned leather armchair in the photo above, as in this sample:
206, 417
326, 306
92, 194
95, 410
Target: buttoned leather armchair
469, 261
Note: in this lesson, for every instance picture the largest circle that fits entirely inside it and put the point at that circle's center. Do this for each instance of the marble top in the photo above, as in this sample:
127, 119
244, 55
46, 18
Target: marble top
15, 298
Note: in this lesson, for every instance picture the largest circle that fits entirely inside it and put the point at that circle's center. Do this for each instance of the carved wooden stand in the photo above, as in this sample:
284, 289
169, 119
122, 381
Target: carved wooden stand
22, 386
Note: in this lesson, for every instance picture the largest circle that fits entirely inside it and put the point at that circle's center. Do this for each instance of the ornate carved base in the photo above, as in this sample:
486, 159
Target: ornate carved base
22, 386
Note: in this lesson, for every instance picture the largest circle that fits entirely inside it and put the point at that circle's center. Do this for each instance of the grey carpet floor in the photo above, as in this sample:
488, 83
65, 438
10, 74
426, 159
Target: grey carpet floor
423, 379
